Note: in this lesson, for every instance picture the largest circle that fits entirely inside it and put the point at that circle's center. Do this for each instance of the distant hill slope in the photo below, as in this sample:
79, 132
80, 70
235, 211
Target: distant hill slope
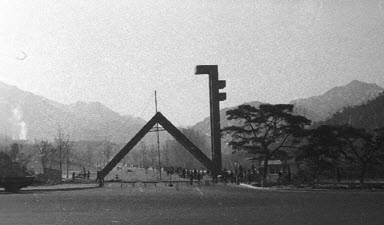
24, 115
369, 115
318, 108
205, 125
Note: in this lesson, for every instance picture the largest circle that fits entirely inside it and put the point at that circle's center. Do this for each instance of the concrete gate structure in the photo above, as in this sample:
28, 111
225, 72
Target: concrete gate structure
214, 165
168, 126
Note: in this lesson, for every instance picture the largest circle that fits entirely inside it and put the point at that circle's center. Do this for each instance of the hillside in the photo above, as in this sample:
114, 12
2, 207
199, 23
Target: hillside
318, 108
369, 115
26, 116
205, 127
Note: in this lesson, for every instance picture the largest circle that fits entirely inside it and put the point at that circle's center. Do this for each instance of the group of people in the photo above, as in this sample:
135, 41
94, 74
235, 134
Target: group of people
85, 174
240, 175
192, 174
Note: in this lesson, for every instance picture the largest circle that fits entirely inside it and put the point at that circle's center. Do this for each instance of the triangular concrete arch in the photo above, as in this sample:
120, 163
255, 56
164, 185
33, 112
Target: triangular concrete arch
168, 126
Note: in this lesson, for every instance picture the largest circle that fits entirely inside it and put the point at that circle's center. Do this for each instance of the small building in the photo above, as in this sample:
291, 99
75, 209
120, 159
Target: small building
276, 165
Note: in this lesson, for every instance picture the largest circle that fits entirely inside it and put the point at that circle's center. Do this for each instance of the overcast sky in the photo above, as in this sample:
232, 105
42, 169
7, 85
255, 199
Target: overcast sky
119, 52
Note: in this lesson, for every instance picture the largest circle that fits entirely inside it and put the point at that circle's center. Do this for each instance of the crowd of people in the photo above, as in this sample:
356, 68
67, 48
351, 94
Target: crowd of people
239, 175
85, 174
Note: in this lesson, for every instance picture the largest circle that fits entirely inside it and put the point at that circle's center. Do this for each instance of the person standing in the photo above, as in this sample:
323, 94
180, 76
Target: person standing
241, 173
280, 175
191, 179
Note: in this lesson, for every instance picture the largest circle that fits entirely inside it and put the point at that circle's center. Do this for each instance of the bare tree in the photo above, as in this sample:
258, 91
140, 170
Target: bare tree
64, 147
166, 159
68, 153
107, 151
144, 158
89, 155
45, 152
135, 157
152, 155
59, 140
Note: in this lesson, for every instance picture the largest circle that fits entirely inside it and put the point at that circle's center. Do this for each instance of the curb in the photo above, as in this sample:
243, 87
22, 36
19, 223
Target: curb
60, 187
260, 188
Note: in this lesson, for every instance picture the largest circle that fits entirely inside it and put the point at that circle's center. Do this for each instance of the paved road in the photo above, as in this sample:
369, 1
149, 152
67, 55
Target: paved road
217, 204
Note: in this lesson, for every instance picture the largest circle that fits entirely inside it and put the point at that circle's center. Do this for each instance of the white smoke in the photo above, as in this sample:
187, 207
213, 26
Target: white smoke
21, 127
23, 130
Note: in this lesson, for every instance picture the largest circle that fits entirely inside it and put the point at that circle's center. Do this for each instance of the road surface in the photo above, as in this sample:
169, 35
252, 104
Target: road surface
214, 204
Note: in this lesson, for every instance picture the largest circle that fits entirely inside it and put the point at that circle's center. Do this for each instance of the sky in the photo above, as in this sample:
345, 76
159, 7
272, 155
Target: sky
119, 52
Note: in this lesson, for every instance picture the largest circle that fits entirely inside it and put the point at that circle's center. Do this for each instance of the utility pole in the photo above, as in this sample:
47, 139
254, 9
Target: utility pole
158, 137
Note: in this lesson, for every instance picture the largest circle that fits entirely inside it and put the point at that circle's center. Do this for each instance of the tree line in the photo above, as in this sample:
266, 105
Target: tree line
275, 132
67, 155
62, 153
334, 148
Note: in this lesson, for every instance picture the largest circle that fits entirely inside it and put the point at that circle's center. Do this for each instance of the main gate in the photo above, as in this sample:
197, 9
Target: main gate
216, 96
168, 126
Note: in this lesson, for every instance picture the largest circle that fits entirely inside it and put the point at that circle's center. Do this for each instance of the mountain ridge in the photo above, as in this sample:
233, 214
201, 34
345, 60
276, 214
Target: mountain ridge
320, 107
368, 116
25, 115
41, 117
316, 108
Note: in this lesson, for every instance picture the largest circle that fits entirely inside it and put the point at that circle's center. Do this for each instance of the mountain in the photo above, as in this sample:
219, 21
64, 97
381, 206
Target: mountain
205, 125
318, 108
26, 116
369, 115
